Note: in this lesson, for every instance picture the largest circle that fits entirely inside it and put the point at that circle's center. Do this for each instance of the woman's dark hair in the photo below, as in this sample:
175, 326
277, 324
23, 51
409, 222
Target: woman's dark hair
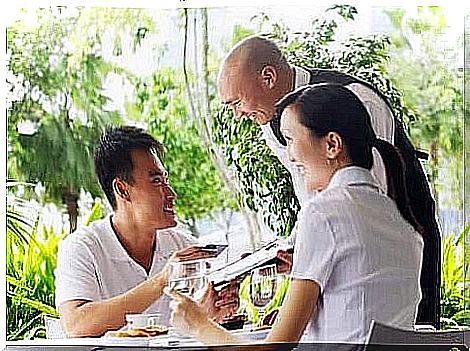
328, 108
113, 155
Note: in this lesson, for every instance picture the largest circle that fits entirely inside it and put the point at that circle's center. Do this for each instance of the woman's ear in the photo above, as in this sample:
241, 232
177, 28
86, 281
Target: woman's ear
334, 145
269, 76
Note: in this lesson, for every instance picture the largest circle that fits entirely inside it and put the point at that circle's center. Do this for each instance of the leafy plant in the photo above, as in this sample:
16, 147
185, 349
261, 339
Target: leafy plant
30, 282
30, 277
453, 309
161, 99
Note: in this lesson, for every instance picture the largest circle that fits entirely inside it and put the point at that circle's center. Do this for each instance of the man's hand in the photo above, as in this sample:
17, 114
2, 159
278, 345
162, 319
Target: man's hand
285, 262
219, 305
192, 253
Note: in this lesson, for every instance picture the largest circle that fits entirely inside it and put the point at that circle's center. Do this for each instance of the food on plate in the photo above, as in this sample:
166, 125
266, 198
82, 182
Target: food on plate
148, 331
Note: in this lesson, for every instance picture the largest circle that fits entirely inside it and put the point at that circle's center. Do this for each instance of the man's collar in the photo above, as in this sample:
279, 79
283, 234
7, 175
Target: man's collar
113, 244
302, 77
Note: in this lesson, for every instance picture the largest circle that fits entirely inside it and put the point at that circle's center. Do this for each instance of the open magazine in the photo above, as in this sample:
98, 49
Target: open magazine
264, 255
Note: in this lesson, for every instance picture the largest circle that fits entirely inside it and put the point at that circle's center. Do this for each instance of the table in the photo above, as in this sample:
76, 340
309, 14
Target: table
166, 342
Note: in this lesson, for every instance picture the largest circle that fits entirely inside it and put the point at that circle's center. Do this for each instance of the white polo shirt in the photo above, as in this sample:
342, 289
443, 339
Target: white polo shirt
353, 241
93, 265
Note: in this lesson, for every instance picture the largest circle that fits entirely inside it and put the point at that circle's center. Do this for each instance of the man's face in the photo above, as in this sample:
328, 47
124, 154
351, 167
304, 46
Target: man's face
151, 197
246, 95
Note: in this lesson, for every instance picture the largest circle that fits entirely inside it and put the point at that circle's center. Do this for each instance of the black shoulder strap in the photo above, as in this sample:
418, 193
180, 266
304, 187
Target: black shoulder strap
276, 128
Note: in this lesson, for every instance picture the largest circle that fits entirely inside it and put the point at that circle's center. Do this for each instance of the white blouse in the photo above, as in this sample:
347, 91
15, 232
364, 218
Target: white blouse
353, 241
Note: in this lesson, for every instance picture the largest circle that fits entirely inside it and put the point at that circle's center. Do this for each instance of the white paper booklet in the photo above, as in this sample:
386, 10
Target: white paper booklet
236, 269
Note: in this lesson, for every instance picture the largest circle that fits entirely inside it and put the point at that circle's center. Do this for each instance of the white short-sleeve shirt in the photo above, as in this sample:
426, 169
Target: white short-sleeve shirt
93, 265
366, 258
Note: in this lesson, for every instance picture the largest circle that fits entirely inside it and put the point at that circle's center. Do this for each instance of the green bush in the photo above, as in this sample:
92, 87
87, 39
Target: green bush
31, 261
454, 312
30, 282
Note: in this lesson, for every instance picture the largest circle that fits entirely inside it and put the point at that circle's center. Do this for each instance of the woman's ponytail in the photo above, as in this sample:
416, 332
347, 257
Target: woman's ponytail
396, 185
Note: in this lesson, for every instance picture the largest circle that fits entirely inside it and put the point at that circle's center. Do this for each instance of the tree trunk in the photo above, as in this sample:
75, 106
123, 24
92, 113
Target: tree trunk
71, 203
192, 227
203, 116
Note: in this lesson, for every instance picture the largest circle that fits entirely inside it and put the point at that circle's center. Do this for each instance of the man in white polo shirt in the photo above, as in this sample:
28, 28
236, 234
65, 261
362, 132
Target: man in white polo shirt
118, 265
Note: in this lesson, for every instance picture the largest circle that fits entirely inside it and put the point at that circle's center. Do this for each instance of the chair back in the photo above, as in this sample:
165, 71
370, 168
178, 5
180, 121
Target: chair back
381, 334
53, 328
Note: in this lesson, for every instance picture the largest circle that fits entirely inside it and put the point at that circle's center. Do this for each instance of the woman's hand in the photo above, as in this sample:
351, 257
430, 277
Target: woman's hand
187, 316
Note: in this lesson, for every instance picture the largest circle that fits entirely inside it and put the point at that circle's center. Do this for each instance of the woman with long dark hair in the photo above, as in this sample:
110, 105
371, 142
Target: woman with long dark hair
358, 251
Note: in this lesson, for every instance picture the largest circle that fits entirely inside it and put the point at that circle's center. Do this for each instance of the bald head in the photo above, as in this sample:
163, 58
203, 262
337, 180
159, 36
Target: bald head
253, 76
252, 54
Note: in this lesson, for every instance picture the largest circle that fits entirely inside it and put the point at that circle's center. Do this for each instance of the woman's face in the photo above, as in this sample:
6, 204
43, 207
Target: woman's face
310, 154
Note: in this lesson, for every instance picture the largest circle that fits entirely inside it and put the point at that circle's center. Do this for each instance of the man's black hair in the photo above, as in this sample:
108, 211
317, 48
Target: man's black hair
113, 155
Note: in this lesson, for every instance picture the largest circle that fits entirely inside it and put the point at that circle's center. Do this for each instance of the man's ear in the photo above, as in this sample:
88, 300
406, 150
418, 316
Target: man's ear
121, 189
334, 145
269, 76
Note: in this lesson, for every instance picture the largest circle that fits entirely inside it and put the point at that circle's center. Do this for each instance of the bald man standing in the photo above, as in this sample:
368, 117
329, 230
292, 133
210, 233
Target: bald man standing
255, 75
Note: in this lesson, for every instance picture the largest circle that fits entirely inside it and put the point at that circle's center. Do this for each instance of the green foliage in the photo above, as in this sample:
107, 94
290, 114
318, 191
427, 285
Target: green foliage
200, 190
239, 33
93, 23
17, 225
265, 184
246, 306
30, 282
30, 278
424, 68
453, 309
63, 100
96, 213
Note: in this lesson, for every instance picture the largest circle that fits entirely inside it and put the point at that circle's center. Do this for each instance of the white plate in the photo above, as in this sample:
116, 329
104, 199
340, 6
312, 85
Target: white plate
252, 334
131, 341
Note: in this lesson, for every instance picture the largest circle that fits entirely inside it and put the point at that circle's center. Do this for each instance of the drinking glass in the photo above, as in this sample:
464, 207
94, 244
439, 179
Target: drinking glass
188, 277
262, 288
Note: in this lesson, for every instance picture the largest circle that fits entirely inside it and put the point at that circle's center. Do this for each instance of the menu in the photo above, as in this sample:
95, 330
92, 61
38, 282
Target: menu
264, 255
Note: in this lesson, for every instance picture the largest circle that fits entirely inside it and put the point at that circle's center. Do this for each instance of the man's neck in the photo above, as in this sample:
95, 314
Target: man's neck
288, 83
137, 240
